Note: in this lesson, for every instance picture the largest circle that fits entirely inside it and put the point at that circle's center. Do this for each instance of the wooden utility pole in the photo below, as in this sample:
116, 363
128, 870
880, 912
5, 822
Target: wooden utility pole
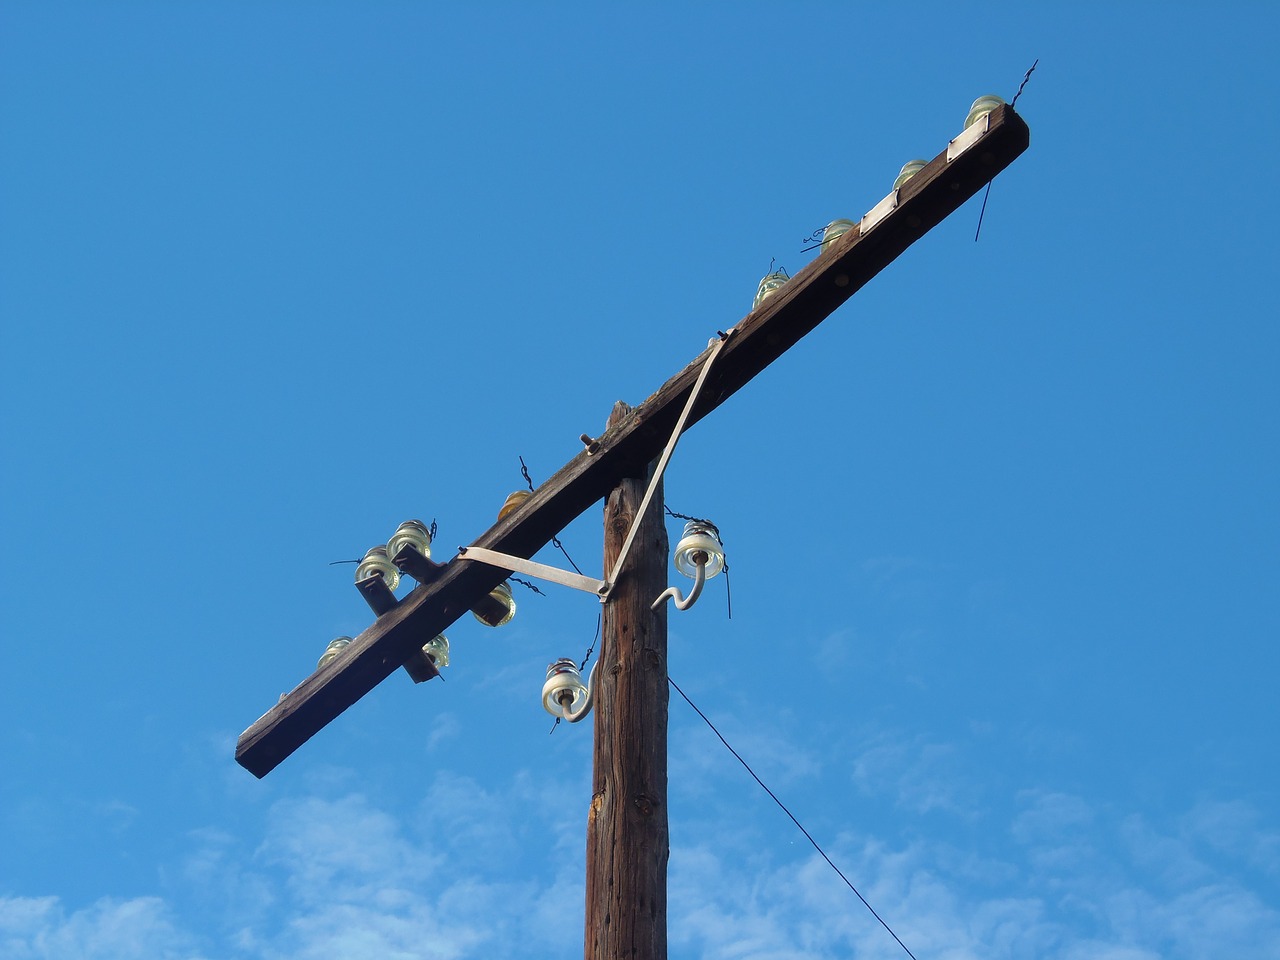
627, 839
627, 843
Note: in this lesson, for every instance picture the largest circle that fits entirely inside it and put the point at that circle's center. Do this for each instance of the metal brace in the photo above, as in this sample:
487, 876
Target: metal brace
602, 588
534, 569
716, 346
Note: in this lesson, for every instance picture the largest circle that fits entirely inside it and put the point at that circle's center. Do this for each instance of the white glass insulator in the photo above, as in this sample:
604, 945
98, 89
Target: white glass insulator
411, 533
564, 689
699, 538
909, 170
502, 594
769, 285
375, 562
981, 107
438, 650
335, 647
834, 230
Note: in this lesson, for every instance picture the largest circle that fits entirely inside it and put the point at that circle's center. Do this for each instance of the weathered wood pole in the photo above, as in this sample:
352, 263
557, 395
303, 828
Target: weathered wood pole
627, 838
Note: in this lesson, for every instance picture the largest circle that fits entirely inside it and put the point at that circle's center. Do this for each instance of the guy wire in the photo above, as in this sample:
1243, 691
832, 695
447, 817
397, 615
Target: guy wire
784, 809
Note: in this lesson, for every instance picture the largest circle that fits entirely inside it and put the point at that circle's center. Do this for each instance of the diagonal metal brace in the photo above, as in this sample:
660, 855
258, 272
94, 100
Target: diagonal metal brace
602, 588
716, 346
534, 569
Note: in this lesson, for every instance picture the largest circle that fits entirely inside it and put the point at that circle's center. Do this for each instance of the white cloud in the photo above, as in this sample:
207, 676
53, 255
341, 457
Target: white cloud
1232, 828
345, 848
1051, 816
110, 929
697, 759
919, 775
1084, 883
359, 883
344, 877
444, 729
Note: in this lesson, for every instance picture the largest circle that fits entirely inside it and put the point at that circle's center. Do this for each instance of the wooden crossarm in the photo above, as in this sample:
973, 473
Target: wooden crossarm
625, 449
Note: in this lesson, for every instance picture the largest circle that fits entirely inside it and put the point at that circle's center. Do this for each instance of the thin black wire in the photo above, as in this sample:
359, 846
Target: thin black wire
784, 809
560, 546
728, 594
814, 239
526, 583
1024, 82
591, 649
983, 212
681, 516
431, 533
555, 542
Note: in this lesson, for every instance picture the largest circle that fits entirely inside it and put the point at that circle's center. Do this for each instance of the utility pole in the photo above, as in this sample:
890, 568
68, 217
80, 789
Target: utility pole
627, 841
627, 838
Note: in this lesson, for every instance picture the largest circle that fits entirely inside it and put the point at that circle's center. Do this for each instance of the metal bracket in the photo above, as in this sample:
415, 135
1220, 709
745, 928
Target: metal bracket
972, 134
602, 588
716, 346
877, 213
534, 569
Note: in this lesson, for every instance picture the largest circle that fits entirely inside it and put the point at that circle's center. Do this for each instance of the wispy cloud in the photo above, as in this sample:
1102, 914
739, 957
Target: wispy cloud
345, 847
1082, 880
346, 877
803, 910
920, 775
1234, 829
42, 929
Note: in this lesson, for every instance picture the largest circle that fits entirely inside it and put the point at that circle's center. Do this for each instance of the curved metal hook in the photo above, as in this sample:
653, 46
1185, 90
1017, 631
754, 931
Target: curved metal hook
573, 716
682, 602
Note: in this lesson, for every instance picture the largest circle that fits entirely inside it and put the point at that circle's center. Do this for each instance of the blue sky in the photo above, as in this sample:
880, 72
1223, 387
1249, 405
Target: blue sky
1003, 530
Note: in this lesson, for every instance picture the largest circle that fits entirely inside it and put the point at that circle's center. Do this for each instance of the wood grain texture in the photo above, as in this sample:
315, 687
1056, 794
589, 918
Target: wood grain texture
381, 600
627, 835
757, 340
